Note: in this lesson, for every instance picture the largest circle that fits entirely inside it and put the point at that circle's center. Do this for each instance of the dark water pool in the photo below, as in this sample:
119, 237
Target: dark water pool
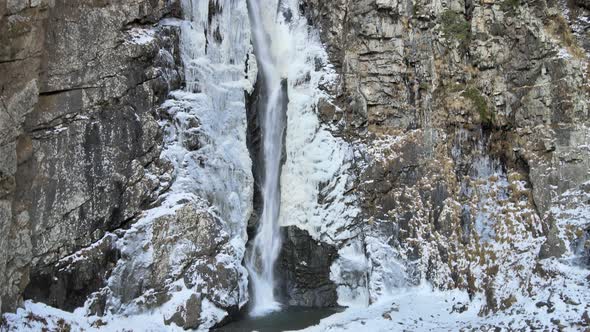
290, 318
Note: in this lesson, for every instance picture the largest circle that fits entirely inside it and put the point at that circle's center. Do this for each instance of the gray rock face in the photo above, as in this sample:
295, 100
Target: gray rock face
68, 283
22, 41
175, 255
553, 246
187, 316
82, 144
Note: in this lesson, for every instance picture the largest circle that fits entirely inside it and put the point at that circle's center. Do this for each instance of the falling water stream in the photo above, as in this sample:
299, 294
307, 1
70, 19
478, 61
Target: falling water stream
267, 243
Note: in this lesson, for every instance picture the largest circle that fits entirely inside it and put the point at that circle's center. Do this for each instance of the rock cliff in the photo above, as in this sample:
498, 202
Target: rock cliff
470, 122
80, 143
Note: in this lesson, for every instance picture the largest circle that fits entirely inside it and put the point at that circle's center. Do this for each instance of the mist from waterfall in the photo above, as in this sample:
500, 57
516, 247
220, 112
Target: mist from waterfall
267, 243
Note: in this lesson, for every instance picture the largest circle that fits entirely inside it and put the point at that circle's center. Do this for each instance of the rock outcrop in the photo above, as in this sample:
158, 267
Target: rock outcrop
80, 143
113, 199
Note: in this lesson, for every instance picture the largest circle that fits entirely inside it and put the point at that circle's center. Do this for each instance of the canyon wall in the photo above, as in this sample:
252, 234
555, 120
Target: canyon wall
440, 141
80, 143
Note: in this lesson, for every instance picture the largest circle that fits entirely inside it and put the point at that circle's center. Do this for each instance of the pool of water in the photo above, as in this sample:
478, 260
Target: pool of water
290, 318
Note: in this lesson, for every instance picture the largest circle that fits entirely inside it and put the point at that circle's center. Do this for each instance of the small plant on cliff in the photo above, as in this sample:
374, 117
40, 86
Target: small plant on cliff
63, 326
454, 25
480, 104
557, 26
510, 6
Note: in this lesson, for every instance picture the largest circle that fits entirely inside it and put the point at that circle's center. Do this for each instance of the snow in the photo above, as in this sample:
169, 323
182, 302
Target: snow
388, 273
420, 308
413, 309
170, 21
424, 308
349, 274
572, 214
35, 317
507, 237
556, 295
141, 36
564, 54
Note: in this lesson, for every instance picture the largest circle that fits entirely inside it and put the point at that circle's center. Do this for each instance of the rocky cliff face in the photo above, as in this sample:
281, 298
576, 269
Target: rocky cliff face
471, 121
80, 143
115, 200
428, 141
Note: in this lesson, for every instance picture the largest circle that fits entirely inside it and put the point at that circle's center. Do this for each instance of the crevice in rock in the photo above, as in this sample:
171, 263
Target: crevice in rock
55, 92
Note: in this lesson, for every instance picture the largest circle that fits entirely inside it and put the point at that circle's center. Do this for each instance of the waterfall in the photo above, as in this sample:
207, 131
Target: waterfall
267, 243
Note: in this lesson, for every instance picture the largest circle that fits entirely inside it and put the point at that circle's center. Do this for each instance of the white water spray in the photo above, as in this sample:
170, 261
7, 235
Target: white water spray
267, 243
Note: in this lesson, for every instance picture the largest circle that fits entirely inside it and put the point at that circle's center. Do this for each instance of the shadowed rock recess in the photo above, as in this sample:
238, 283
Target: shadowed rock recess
443, 143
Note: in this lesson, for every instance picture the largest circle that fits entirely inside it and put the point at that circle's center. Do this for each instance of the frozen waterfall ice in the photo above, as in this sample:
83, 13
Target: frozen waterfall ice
267, 243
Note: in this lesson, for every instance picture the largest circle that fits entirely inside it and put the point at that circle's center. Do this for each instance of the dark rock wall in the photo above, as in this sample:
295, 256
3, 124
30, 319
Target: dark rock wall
304, 270
80, 84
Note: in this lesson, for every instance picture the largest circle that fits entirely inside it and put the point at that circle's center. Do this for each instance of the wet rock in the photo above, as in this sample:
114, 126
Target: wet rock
327, 111
541, 304
459, 308
304, 267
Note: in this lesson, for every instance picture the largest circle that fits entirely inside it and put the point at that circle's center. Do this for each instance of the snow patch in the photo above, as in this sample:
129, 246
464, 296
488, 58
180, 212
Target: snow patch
316, 175
141, 36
